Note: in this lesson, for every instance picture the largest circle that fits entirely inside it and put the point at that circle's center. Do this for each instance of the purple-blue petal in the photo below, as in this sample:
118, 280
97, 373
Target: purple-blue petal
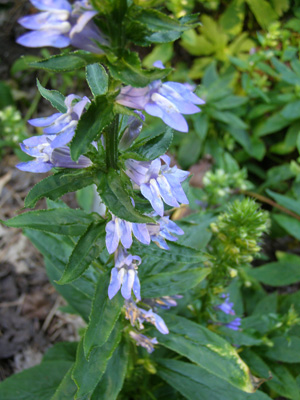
35, 166
45, 121
43, 38
115, 283
112, 238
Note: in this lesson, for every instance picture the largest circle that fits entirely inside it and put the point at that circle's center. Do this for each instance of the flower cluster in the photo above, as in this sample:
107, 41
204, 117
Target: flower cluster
50, 149
168, 101
60, 24
137, 316
227, 308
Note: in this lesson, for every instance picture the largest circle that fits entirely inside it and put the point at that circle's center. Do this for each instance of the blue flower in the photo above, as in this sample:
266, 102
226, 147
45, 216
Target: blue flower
226, 306
61, 24
235, 324
46, 157
158, 182
124, 275
119, 230
138, 315
164, 302
63, 125
132, 131
144, 341
165, 229
167, 101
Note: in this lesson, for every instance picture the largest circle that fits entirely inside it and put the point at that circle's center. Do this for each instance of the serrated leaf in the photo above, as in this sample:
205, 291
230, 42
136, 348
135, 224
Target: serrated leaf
97, 79
56, 251
128, 70
68, 62
171, 283
156, 146
176, 253
88, 247
56, 98
55, 186
67, 388
39, 382
104, 315
87, 373
93, 121
112, 381
115, 197
207, 349
63, 221
195, 383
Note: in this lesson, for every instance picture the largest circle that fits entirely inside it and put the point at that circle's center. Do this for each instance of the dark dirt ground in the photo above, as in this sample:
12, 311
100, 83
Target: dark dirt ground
30, 319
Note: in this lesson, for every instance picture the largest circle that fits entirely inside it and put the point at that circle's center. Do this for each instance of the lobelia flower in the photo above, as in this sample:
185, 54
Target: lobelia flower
132, 130
168, 101
138, 315
62, 125
226, 306
235, 324
119, 230
61, 24
144, 341
124, 275
158, 182
164, 302
47, 157
165, 229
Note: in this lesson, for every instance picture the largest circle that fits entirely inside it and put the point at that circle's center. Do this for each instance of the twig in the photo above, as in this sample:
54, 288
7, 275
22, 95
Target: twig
272, 203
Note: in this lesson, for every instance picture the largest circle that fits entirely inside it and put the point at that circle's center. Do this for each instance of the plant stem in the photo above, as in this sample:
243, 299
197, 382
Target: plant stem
111, 140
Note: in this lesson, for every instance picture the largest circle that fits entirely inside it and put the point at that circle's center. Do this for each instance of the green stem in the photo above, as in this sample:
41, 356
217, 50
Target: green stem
111, 139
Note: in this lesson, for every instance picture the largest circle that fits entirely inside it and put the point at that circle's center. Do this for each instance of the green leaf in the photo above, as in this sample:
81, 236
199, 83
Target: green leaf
282, 381
93, 121
285, 349
289, 224
285, 201
228, 118
67, 388
284, 272
170, 283
87, 373
85, 198
39, 382
263, 12
206, 349
104, 315
196, 232
286, 74
273, 124
64, 351
55, 186
97, 79
56, 252
112, 381
68, 62
88, 247
291, 111
156, 146
128, 70
56, 98
115, 197
63, 221
176, 253
195, 383
232, 19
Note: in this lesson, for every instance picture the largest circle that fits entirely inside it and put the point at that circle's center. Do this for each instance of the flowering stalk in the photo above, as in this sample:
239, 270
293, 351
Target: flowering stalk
111, 142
